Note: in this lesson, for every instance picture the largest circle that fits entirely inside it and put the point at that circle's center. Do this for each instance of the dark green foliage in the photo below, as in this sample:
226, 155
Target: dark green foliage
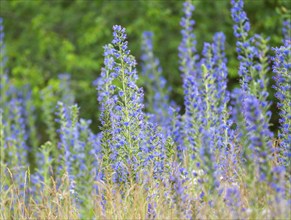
45, 38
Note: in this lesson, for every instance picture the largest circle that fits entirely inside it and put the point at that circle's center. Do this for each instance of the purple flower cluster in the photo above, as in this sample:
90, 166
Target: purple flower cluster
17, 137
129, 140
253, 120
254, 134
242, 25
80, 150
259, 135
157, 99
252, 54
188, 63
187, 48
206, 120
282, 69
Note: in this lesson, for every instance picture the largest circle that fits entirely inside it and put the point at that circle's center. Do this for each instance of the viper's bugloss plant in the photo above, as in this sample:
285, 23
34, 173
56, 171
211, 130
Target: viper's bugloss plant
45, 164
177, 133
255, 115
208, 126
30, 123
206, 119
158, 94
256, 151
224, 132
188, 59
187, 48
286, 30
124, 105
106, 101
153, 149
282, 71
259, 137
250, 50
79, 151
67, 139
221, 74
48, 115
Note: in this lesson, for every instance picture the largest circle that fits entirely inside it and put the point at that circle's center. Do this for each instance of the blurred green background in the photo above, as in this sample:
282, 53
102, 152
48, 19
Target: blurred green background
47, 37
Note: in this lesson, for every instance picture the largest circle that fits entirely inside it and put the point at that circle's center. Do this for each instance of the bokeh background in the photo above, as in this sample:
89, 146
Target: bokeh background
47, 37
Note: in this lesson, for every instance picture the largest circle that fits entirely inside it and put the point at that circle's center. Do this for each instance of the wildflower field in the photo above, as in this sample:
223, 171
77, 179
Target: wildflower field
215, 157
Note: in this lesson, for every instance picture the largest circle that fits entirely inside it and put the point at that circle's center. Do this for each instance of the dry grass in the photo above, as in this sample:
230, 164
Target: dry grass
131, 202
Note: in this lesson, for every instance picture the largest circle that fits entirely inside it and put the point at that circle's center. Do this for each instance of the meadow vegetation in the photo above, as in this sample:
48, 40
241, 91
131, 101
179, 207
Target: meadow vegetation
215, 157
